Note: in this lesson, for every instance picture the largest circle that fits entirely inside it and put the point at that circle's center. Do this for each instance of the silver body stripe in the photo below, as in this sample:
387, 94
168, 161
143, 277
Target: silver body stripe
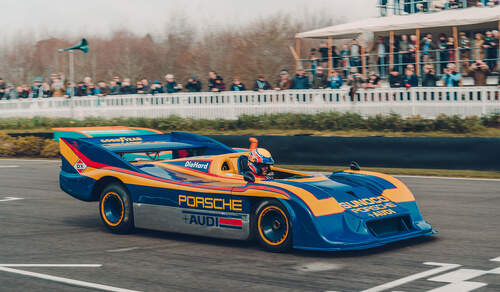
205, 223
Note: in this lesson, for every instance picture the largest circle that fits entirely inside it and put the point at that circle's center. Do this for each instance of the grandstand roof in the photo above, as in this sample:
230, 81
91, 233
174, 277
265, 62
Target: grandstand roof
471, 17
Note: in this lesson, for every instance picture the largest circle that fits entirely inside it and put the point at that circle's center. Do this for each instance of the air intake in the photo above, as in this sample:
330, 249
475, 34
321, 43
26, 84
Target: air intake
389, 226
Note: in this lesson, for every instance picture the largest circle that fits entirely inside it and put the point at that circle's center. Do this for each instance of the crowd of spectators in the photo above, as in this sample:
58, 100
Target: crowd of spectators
476, 55
399, 7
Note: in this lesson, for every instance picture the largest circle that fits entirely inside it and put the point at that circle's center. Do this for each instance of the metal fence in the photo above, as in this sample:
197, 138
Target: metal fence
424, 101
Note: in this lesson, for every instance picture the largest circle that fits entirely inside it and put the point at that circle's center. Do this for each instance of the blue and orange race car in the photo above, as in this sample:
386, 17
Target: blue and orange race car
197, 186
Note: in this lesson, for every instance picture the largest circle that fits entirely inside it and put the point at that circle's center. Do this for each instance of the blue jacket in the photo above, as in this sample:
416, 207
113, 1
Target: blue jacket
335, 82
301, 82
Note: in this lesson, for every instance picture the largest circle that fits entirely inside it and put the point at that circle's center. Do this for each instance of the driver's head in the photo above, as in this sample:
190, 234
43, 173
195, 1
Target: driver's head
260, 161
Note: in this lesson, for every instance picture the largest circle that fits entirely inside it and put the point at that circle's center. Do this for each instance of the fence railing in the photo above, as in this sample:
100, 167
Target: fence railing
424, 101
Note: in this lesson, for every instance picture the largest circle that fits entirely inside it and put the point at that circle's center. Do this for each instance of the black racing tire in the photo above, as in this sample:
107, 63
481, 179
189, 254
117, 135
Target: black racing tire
115, 208
272, 226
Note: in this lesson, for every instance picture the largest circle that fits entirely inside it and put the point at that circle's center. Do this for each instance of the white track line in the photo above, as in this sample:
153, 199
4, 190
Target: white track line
65, 280
123, 249
450, 178
23, 159
441, 268
52, 265
9, 166
10, 199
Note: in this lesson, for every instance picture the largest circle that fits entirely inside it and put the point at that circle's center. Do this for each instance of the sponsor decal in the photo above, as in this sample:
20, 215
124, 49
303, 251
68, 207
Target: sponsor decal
374, 206
213, 220
80, 166
121, 140
210, 203
198, 165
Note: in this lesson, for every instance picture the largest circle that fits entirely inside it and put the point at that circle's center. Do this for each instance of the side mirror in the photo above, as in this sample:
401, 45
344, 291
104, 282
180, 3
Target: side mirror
249, 177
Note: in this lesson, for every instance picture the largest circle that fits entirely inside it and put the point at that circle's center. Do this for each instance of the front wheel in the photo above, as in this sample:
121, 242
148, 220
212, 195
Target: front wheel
115, 207
273, 227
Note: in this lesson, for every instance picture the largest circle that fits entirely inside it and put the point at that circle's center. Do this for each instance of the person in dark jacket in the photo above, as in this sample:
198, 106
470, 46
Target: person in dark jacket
237, 85
319, 79
215, 82
172, 86
430, 78
126, 87
410, 79
261, 84
301, 81
81, 90
193, 84
395, 79
114, 88
156, 87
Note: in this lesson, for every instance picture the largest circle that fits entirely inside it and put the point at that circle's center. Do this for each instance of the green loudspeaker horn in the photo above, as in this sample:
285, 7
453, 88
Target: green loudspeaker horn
82, 46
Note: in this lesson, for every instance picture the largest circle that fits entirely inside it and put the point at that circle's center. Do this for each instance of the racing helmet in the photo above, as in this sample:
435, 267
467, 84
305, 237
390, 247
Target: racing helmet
259, 161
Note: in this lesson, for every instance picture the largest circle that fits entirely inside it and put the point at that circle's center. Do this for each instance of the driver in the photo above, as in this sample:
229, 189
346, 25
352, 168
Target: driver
259, 162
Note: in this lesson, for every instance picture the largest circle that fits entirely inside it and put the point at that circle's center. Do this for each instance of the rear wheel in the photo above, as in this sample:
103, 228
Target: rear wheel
115, 207
273, 228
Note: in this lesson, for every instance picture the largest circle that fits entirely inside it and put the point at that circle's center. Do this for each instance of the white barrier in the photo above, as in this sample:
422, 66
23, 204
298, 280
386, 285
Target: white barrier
426, 102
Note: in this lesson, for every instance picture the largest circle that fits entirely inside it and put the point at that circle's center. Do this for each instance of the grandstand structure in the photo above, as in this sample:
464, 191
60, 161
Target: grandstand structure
451, 22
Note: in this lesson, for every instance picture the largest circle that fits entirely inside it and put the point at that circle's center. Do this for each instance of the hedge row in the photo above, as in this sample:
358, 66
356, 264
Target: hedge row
332, 121
27, 146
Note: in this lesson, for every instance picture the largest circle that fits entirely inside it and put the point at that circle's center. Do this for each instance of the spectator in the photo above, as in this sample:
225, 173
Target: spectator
114, 88
156, 87
261, 84
443, 53
380, 50
102, 88
81, 90
87, 80
429, 79
314, 60
479, 71
427, 46
2, 88
355, 54
36, 89
478, 51
193, 84
70, 90
284, 83
450, 46
215, 82
146, 87
10, 92
451, 77
237, 85
23, 92
464, 44
172, 86
116, 79
412, 48
344, 54
334, 80
395, 79
47, 92
301, 81
139, 88
319, 79
491, 47
410, 79
373, 81
403, 52
57, 88
126, 87
323, 50
92, 90
355, 81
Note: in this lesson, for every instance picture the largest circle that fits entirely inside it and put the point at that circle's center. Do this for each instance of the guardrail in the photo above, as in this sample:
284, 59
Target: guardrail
427, 102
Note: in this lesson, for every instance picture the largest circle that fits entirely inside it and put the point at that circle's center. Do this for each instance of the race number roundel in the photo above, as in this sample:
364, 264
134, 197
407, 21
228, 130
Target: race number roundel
80, 166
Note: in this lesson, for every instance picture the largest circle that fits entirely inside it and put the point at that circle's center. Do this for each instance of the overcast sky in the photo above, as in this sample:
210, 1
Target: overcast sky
91, 17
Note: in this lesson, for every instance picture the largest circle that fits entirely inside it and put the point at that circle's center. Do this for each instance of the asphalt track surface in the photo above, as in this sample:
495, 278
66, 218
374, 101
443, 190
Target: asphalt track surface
47, 226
